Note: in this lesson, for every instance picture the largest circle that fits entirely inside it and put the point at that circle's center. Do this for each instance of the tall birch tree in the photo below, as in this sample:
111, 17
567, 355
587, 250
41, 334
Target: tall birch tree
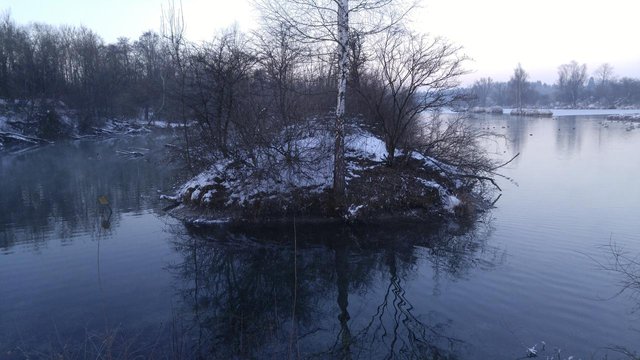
333, 21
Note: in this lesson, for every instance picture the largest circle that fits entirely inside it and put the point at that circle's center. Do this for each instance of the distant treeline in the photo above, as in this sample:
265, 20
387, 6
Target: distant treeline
75, 66
574, 87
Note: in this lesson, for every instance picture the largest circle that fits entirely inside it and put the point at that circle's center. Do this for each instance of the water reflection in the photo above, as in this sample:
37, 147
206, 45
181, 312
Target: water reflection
327, 293
518, 132
568, 130
568, 135
42, 196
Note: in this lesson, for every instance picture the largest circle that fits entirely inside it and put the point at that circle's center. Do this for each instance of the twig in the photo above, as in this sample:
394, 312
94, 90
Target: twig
485, 178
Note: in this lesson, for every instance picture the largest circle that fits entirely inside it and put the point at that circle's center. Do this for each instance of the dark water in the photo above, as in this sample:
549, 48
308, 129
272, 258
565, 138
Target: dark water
76, 282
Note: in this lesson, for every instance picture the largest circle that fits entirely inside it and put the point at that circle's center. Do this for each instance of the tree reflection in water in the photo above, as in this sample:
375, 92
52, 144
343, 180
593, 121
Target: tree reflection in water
242, 295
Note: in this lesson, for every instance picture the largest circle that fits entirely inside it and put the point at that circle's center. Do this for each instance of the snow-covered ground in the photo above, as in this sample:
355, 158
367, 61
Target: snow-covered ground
586, 112
243, 186
164, 124
364, 144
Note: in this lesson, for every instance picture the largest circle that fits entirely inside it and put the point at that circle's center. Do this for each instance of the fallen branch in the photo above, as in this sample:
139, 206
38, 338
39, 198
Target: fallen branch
496, 200
130, 153
23, 138
101, 130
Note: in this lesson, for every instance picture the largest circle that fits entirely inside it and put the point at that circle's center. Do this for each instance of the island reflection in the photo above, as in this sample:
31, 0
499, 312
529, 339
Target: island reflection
324, 293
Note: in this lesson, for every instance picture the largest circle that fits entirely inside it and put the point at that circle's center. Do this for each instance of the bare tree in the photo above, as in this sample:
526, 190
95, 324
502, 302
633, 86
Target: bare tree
571, 79
357, 58
283, 97
149, 59
603, 74
454, 141
172, 31
518, 84
604, 77
410, 74
334, 21
482, 90
218, 74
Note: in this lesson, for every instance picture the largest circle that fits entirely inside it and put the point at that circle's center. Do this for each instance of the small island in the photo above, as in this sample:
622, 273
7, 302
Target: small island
416, 188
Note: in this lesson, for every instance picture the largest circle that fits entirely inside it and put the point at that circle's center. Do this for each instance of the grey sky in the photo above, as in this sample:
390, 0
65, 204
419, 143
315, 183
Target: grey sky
497, 34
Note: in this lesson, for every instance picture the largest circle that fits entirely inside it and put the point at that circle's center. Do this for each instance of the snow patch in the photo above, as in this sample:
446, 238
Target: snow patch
353, 211
434, 164
167, 197
163, 124
208, 196
205, 221
195, 195
269, 173
366, 145
449, 201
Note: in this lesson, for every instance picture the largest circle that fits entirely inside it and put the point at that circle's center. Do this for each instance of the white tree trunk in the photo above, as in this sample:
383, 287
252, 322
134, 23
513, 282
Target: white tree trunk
343, 65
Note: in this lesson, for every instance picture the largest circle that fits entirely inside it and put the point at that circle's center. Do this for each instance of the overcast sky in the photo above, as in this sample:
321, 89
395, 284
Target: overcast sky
497, 34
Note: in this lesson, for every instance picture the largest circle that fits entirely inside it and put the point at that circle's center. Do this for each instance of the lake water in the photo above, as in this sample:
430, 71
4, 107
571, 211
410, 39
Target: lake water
79, 282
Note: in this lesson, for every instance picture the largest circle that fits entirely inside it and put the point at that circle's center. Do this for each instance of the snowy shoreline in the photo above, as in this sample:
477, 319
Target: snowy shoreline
586, 112
559, 112
28, 124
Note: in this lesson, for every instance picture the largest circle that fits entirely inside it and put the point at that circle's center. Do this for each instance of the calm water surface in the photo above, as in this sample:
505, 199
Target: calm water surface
78, 282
